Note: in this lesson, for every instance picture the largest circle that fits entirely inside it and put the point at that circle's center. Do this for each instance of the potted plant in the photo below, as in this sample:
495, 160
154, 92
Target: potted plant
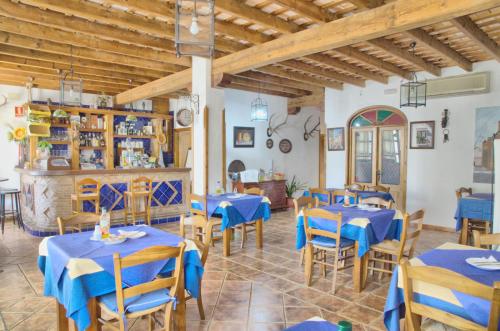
43, 150
292, 186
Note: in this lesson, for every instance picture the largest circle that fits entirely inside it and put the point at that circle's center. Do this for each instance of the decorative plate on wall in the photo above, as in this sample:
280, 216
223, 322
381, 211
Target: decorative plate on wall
269, 143
184, 117
285, 146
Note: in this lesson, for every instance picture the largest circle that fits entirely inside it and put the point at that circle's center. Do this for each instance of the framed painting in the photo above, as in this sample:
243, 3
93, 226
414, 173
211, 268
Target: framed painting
336, 139
243, 137
422, 135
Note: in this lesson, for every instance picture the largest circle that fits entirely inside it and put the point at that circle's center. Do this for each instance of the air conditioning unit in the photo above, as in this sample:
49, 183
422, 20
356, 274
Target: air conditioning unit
459, 85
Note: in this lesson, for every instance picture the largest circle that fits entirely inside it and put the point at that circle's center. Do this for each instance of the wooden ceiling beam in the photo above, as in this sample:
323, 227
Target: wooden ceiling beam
256, 90
394, 50
38, 31
39, 55
301, 66
479, 37
394, 17
438, 46
280, 72
314, 100
258, 76
309, 10
232, 79
85, 53
367, 4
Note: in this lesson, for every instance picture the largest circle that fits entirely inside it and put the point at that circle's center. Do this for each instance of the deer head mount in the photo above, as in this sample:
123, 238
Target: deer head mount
272, 129
310, 133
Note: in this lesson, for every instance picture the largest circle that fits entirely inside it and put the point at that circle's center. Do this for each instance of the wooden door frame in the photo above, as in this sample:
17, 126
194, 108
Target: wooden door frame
404, 147
176, 144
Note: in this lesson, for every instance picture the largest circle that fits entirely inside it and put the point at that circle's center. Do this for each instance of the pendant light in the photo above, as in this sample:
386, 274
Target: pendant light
413, 93
71, 89
259, 109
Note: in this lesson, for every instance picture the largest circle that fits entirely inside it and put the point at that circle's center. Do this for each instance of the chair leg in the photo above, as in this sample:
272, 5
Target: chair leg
2, 211
182, 231
132, 203
20, 221
125, 209
199, 301
335, 269
308, 267
302, 251
12, 210
243, 235
323, 266
168, 317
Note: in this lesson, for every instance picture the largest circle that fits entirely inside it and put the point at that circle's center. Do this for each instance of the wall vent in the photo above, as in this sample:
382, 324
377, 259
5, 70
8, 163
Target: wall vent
459, 85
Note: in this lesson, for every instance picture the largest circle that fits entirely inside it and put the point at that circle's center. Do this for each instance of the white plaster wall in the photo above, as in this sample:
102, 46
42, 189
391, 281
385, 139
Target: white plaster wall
302, 161
433, 175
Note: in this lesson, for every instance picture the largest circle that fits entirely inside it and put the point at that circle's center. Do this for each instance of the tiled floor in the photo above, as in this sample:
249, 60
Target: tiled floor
251, 290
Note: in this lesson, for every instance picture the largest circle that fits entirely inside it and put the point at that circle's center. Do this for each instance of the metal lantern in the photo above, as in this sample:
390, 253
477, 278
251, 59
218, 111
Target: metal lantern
194, 27
413, 93
71, 92
259, 110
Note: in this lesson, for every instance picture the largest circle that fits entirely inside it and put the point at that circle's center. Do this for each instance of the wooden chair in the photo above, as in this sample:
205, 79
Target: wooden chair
86, 189
482, 240
244, 226
385, 251
376, 201
299, 204
140, 189
379, 188
75, 222
325, 241
450, 280
342, 193
319, 191
354, 187
195, 214
479, 225
153, 296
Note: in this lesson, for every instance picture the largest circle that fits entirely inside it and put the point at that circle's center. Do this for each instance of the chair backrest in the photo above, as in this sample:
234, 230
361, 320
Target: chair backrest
315, 192
326, 215
142, 184
303, 202
88, 186
254, 191
376, 201
342, 193
379, 188
147, 255
355, 187
463, 191
451, 280
207, 229
202, 200
75, 222
483, 240
412, 228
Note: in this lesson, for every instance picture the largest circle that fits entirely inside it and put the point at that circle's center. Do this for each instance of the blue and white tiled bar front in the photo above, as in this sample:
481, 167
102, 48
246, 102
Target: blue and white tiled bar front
45, 195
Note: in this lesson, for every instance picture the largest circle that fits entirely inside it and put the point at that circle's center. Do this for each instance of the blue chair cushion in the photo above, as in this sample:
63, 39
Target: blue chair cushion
330, 242
138, 303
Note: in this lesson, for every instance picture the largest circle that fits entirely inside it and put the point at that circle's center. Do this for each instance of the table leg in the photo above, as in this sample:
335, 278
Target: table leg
226, 241
62, 321
180, 311
259, 240
94, 312
357, 272
464, 231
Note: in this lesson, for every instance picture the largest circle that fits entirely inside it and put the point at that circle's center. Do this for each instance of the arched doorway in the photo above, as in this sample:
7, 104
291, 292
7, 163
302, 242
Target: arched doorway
377, 150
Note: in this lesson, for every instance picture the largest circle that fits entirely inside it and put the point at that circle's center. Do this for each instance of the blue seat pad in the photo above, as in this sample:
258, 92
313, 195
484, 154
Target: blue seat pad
330, 242
139, 302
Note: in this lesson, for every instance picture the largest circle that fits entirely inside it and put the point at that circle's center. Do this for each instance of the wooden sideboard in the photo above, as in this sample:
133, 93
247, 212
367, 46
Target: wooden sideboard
274, 189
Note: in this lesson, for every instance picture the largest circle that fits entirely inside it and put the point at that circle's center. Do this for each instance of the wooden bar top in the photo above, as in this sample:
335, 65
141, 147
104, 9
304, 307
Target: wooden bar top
38, 172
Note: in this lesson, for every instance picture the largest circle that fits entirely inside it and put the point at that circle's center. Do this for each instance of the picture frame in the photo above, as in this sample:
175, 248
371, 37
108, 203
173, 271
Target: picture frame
336, 139
422, 134
243, 137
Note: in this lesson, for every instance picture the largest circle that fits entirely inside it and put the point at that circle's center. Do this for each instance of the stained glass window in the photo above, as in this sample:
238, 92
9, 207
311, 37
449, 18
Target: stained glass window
379, 117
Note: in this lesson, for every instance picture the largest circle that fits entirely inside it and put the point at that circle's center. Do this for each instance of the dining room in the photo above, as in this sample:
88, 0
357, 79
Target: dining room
253, 165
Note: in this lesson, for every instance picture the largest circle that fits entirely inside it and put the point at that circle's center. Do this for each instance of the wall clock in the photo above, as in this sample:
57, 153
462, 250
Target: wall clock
285, 146
269, 143
184, 117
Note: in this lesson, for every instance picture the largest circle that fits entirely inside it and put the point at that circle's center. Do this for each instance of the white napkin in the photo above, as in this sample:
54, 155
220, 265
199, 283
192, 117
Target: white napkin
485, 263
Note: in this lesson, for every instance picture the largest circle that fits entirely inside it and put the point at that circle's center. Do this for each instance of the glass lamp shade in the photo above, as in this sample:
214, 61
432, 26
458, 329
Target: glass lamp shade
194, 27
413, 93
259, 110
71, 92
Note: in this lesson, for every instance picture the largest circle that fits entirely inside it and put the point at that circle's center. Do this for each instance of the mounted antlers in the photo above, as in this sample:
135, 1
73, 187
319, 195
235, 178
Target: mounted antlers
310, 133
271, 129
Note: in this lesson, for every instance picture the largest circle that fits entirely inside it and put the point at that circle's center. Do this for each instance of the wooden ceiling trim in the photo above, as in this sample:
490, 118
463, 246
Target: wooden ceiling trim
280, 72
257, 76
309, 10
232, 79
256, 90
472, 31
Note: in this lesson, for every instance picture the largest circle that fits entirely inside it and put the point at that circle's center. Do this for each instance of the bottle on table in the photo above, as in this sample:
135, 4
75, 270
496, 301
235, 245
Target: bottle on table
344, 326
97, 232
219, 189
347, 201
105, 223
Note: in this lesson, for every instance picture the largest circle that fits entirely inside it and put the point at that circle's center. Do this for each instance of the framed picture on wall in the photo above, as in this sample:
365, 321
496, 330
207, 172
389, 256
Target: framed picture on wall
422, 135
243, 137
336, 139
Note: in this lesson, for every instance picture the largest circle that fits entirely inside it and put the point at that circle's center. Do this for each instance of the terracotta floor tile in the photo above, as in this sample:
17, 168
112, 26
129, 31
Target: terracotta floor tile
38, 322
231, 313
234, 298
265, 326
226, 326
359, 314
373, 301
298, 314
267, 314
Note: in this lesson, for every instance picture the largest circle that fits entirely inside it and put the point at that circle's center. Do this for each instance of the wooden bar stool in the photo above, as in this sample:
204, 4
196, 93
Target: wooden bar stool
141, 189
87, 189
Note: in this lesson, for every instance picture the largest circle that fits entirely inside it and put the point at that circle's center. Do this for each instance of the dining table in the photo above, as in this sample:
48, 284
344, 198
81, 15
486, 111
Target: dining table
477, 206
235, 209
364, 226
340, 199
77, 270
449, 256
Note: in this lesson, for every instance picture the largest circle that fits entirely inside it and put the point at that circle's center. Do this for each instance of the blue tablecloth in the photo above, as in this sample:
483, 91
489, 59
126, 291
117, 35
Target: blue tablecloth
478, 206
231, 209
314, 324
77, 269
366, 227
451, 257
361, 194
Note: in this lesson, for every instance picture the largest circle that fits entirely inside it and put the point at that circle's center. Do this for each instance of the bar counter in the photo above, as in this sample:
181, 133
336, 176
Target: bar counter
46, 194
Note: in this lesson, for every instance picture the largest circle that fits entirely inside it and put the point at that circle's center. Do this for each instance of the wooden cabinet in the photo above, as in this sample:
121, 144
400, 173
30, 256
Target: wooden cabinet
274, 189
